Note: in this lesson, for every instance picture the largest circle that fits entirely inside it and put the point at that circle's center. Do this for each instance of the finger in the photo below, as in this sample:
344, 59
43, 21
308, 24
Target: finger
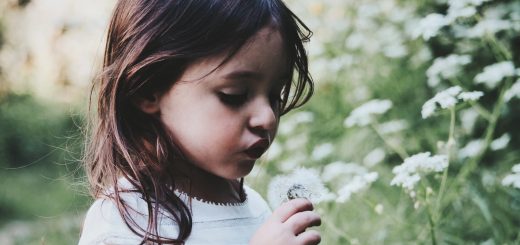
291, 207
302, 220
310, 237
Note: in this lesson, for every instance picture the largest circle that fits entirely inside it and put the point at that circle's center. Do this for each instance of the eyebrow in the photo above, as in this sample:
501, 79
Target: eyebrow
248, 74
243, 74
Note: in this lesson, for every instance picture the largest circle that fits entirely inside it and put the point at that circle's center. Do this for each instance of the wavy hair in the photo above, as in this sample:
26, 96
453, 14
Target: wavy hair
149, 45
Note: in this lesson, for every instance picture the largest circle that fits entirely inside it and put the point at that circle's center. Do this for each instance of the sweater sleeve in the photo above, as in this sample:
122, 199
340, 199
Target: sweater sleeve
104, 225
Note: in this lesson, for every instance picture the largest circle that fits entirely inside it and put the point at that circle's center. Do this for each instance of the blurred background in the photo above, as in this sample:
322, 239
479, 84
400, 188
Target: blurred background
395, 50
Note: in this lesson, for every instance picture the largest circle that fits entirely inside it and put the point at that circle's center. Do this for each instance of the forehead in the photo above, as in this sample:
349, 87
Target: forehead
264, 53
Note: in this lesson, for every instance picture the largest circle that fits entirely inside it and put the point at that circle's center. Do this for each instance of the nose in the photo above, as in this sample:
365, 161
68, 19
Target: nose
263, 118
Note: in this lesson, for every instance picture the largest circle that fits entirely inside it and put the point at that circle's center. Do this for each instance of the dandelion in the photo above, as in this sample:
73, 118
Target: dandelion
364, 114
355, 185
302, 183
408, 174
429, 26
493, 74
500, 143
446, 68
513, 179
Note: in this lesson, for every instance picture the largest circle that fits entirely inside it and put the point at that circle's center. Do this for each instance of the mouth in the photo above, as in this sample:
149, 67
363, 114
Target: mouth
256, 150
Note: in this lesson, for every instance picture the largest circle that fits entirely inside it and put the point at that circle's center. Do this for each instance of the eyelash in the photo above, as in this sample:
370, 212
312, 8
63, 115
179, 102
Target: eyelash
236, 100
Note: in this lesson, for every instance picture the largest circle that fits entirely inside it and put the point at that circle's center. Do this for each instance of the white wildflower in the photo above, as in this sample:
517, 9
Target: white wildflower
393, 126
471, 149
322, 151
488, 26
446, 99
364, 114
470, 96
462, 8
355, 185
513, 179
379, 208
409, 172
513, 92
275, 150
292, 162
341, 169
289, 125
500, 143
302, 183
493, 74
468, 117
446, 68
374, 157
429, 26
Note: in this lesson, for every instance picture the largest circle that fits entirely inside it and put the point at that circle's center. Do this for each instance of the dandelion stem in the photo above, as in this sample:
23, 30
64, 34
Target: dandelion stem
400, 151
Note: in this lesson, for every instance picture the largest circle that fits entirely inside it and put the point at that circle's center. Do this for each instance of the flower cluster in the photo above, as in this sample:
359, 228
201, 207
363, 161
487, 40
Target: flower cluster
355, 185
408, 174
364, 114
446, 68
513, 179
447, 99
493, 74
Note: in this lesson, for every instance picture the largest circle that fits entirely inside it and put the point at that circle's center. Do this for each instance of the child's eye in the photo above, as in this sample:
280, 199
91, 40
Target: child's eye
234, 100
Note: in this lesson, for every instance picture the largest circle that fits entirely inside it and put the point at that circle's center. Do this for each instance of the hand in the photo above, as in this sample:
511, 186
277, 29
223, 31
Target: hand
287, 225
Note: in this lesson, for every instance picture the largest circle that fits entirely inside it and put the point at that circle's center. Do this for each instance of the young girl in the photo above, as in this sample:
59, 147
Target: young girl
189, 98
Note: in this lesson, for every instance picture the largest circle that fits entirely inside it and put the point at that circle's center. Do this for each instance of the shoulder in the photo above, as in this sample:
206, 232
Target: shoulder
104, 225
256, 201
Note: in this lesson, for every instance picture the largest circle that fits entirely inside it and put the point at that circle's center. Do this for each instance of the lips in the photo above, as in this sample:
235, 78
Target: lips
256, 150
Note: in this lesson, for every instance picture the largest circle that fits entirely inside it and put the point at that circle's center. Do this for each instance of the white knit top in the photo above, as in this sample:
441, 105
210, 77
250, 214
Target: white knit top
212, 223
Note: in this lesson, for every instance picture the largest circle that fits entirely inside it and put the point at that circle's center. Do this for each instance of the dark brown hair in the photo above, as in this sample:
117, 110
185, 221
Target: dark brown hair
149, 45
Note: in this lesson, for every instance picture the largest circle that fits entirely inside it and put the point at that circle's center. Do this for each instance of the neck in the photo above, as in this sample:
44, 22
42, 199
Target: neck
206, 186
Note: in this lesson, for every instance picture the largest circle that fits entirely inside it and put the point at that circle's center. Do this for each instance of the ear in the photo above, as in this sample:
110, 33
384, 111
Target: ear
149, 104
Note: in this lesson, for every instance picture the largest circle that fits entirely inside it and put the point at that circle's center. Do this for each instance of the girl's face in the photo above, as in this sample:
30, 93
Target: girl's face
224, 120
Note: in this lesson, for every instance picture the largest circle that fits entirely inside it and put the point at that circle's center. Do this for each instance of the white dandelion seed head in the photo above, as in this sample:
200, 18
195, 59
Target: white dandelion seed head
302, 183
493, 74
364, 114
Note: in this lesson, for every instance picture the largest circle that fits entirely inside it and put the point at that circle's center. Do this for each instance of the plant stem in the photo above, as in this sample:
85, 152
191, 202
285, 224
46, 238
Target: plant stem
400, 151
451, 141
490, 130
432, 227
